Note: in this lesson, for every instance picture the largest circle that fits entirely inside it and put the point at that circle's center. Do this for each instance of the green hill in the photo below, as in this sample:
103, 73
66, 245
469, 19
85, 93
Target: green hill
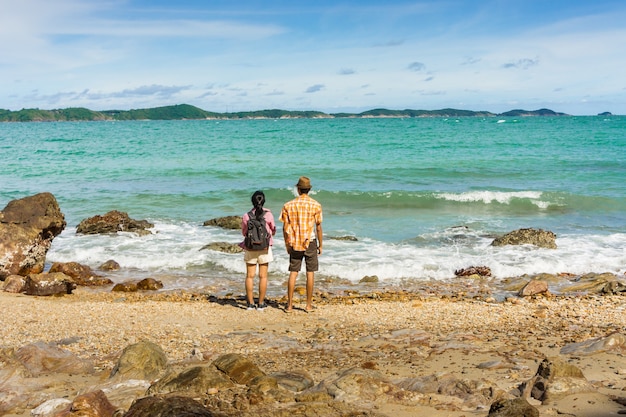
189, 112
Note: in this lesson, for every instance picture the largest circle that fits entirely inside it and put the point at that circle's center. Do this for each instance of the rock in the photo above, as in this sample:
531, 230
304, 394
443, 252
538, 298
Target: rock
124, 393
354, 385
170, 406
81, 274
537, 237
197, 380
517, 407
143, 360
613, 342
223, 247
295, 381
125, 287
146, 284
109, 265
149, 284
227, 222
91, 404
48, 283
238, 368
14, 284
113, 222
51, 407
483, 271
27, 228
369, 279
555, 379
533, 287
594, 283
41, 357
465, 394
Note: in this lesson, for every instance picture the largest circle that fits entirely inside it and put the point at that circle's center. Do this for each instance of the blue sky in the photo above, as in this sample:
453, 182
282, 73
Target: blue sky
332, 56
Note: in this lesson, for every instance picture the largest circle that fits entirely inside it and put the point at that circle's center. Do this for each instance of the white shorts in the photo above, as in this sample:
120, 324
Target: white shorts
258, 256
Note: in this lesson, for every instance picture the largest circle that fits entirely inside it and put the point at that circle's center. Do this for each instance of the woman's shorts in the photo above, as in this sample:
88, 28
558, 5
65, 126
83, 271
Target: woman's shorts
258, 256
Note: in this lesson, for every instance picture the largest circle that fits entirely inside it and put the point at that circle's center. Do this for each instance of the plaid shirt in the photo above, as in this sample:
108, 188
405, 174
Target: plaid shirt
300, 217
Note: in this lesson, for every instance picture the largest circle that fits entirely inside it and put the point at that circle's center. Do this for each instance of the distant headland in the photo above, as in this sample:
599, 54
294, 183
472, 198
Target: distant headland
189, 112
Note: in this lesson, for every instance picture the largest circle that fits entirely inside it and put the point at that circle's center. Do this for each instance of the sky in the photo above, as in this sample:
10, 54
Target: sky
330, 56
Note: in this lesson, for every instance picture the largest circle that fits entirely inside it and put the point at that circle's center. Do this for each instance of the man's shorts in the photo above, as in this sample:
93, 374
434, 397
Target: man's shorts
310, 258
258, 256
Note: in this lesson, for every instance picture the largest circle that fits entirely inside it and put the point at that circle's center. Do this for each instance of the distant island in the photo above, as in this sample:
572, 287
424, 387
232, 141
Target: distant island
189, 112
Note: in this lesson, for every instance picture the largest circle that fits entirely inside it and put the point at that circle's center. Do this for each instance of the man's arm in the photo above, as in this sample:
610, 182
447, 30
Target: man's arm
318, 233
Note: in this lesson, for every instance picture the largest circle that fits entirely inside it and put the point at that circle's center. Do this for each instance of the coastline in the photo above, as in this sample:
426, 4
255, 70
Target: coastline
399, 334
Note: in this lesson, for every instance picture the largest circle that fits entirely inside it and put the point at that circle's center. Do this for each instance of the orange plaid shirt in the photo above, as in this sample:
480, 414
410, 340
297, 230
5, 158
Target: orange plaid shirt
300, 217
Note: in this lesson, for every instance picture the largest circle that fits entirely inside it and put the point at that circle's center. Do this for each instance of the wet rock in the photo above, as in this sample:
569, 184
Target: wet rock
517, 407
533, 287
27, 228
52, 283
149, 284
594, 283
14, 284
143, 360
369, 279
197, 380
170, 406
483, 271
91, 404
224, 247
80, 274
40, 357
227, 222
537, 237
125, 287
614, 342
113, 222
555, 379
238, 368
146, 284
109, 265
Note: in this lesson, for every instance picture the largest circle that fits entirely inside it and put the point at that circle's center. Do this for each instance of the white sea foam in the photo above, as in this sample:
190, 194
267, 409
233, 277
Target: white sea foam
489, 197
175, 250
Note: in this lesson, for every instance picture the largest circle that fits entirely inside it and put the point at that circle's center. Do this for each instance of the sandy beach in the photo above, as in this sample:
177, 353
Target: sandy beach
401, 335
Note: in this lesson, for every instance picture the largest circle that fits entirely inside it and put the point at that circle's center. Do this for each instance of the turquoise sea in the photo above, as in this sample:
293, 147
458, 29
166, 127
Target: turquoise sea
423, 197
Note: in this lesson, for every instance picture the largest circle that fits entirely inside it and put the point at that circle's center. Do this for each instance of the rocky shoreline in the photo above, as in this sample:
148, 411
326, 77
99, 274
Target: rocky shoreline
383, 354
73, 343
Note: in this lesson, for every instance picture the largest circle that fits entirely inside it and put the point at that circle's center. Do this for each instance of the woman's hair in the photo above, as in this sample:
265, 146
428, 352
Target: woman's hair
258, 200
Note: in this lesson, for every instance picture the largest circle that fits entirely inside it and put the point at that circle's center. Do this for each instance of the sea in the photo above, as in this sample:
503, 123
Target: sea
416, 198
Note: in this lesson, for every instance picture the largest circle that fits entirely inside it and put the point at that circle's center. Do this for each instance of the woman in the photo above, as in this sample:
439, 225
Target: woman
261, 257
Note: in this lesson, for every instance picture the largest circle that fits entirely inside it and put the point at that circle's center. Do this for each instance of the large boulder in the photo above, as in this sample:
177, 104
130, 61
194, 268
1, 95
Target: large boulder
111, 223
537, 237
27, 228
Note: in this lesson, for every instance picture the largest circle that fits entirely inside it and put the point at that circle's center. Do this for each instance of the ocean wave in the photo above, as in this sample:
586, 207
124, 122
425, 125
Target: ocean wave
500, 197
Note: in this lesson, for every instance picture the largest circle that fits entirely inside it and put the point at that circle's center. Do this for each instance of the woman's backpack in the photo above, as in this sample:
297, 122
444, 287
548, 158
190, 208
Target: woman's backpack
257, 237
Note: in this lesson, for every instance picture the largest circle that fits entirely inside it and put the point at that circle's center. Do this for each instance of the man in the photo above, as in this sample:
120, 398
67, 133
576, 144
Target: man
302, 231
